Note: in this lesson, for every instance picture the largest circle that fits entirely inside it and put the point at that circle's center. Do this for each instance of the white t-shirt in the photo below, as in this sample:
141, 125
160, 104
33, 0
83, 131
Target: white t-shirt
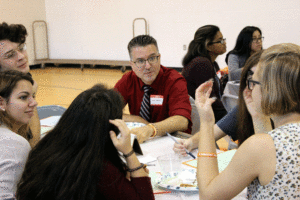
14, 151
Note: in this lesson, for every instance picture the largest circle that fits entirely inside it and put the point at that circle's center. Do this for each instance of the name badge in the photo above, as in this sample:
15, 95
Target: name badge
156, 100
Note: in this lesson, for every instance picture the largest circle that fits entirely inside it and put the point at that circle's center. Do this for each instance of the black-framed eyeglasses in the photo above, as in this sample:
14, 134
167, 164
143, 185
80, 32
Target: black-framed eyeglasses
251, 83
12, 53
222, 41
258, 39
142, 62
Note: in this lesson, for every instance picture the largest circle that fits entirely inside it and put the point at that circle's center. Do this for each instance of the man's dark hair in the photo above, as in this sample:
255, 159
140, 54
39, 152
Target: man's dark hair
142, 41
14, 32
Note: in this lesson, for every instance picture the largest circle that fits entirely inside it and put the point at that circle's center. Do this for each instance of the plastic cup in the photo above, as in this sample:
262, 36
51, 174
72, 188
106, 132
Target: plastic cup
169, 163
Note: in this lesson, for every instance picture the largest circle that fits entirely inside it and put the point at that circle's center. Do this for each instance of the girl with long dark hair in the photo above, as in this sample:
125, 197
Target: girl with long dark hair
199, 64
79, 158
238, 122
248, 42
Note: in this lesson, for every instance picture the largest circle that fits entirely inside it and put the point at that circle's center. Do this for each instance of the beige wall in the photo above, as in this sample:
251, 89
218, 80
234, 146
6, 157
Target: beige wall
86, 29
23, 12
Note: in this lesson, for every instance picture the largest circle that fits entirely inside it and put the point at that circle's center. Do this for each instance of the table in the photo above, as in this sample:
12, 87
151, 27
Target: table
155, 147
159, 146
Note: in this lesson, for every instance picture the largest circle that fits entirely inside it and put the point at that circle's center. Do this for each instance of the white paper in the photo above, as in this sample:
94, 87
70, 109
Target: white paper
50, 121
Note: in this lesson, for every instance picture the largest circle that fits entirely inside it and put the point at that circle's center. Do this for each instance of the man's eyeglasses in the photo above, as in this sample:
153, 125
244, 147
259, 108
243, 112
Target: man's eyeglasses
221, 41
258, 39
251, 83
13, 53
142, 62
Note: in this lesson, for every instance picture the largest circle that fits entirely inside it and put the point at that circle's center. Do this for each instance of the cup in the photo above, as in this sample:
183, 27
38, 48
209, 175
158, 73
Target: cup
169, 163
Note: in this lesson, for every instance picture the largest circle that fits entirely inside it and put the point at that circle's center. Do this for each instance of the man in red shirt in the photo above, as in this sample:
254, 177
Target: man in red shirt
168, 108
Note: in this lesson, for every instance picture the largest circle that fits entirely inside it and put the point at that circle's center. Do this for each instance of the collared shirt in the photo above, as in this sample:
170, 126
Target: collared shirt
169, 84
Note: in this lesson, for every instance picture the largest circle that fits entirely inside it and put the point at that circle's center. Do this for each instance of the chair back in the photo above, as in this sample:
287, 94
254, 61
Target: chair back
195, 117
51, 110
231, 95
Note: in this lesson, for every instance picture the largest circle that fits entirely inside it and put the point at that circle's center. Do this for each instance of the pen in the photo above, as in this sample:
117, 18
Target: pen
168, 134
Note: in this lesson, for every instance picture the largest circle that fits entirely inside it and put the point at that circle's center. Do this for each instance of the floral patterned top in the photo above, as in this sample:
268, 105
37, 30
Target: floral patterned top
286, 181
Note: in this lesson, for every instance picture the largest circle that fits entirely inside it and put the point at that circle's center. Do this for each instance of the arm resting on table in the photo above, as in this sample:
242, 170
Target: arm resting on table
171, 124
134, 118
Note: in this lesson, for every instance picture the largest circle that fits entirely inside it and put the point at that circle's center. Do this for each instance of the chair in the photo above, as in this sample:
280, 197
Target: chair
51, 110
195, 117
231, 95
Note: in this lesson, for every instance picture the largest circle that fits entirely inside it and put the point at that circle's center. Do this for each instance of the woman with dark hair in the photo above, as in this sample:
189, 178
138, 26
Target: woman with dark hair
16, 109
199, 64
266, 163
248, 42
238, 122
79, 158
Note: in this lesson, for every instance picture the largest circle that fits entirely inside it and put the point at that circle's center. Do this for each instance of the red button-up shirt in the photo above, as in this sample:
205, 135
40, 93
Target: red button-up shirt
169, 84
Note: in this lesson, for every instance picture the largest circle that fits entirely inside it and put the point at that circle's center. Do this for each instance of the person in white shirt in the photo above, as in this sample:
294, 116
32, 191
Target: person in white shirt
17, 106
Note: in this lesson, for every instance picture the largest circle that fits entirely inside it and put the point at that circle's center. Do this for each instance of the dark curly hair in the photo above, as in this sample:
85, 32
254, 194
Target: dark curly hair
14, 32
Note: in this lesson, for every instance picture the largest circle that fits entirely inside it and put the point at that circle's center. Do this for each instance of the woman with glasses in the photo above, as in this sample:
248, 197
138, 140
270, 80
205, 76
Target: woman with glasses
238, 121
248, 42
266, 163
199, 64
80, 159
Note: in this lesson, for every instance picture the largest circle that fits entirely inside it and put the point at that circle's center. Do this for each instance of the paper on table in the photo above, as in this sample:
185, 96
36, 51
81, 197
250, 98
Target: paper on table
223, 160
45, 129
50, 121
146, 159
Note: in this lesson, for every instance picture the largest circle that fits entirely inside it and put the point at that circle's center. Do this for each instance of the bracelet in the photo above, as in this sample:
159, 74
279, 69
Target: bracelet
137, 168
205, 154
129, 154
155, 130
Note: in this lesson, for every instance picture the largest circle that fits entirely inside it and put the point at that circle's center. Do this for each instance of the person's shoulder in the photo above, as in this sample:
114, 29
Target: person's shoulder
233, 56
12, 143
127, 79
261, 145
170, 74
200, 59
128, 75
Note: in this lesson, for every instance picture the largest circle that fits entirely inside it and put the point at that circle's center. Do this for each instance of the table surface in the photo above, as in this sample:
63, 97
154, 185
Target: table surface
155, 147
159, 146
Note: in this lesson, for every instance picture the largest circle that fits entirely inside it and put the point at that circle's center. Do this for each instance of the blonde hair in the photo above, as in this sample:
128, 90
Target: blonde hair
280, 79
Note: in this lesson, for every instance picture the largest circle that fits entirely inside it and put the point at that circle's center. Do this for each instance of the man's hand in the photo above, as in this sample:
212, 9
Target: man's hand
142, 133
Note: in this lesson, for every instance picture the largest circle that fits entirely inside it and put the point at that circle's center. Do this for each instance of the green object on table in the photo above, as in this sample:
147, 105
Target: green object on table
223, 160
